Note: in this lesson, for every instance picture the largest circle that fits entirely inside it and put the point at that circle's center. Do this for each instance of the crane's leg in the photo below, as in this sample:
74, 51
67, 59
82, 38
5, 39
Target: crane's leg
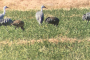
22, 28
88, 22
16, 27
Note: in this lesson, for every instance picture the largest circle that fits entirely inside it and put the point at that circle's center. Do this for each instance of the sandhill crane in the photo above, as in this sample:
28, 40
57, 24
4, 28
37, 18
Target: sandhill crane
86, 17
52, 20
39, 15
18, 23
5, 22
4, 11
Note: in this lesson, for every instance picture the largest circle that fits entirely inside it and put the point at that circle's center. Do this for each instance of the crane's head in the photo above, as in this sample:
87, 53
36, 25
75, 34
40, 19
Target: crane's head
5, 7
43, 6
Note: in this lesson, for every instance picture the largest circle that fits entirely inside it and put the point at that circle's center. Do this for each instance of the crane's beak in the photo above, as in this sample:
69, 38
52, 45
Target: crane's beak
44, 7
7, 7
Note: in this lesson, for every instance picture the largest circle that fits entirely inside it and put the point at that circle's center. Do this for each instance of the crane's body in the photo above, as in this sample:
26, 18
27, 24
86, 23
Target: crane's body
40, 17
86, 17
5, 22
52, 20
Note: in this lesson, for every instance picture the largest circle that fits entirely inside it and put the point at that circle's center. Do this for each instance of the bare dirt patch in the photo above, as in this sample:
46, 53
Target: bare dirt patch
50, 4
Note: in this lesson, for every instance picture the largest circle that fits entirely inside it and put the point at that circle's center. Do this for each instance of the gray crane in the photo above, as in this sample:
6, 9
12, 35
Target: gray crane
39, 15
4, 11
52, 20
86, 17
5, 22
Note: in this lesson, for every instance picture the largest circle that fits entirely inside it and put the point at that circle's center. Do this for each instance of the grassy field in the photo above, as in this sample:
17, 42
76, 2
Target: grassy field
71, 25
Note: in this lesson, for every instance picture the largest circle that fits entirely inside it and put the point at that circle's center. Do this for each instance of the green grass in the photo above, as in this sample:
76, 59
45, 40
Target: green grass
46, 51
71, 25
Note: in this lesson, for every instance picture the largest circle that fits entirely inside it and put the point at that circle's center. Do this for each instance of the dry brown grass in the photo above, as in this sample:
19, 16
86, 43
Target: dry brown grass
50, 4
52, 40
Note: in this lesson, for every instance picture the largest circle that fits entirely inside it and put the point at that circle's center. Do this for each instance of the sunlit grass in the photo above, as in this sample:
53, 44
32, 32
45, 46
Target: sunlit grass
71, 25
46, 51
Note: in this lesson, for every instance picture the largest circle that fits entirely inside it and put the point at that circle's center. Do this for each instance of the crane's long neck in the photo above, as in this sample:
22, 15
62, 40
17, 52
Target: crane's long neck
4, 11
41, 9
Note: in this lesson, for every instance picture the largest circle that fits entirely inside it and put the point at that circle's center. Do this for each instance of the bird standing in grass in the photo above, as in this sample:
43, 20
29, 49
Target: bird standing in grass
39, 15
5, 22
18, 23
86, 17
4, 11
52, 20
